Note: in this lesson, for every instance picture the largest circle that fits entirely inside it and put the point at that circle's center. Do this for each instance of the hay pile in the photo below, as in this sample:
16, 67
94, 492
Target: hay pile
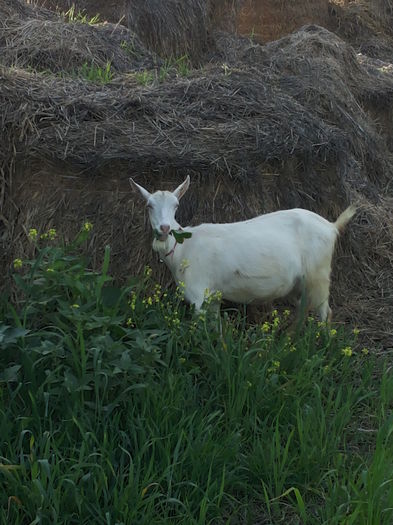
38, 39
16, 8
366, 24
259, 128
177, 27
172, 28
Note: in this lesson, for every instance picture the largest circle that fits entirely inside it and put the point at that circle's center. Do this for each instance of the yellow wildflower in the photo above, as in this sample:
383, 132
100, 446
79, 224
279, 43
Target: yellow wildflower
149, 301
52, 234
218, 295
50, 270
356, 331
265, 327
44, 236
274, 313
193, 327
182, 360
333, 332
276, 322
75, 306
17, 264
157, 293
87, 226
310, 318
275, 366
129, 322
347, 351
287, 313
365, 351
132, 303
292, 348
33, 234
179, 293
148, 271
202, 316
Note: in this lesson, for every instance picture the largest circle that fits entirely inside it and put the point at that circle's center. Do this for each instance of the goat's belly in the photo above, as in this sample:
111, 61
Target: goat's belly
256, 290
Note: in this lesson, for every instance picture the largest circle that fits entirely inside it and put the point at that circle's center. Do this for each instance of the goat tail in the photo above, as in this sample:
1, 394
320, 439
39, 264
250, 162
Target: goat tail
345, 217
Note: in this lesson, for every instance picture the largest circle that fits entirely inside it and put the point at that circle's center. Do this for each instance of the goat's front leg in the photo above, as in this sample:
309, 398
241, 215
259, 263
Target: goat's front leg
197, 297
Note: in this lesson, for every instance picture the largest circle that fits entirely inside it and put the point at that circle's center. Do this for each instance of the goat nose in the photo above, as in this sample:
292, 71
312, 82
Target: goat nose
165, 228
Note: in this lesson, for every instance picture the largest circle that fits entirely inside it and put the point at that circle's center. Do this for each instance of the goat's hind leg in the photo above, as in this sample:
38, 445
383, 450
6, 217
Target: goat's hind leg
302, 305
319, 298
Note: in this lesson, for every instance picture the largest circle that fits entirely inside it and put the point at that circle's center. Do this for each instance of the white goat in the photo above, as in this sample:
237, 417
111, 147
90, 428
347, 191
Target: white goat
252, 261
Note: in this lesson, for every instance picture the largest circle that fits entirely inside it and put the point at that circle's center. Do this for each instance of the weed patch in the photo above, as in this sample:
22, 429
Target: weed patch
93, 73
119, 404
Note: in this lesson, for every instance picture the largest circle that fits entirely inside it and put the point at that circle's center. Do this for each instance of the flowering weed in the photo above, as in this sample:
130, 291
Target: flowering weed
119, 404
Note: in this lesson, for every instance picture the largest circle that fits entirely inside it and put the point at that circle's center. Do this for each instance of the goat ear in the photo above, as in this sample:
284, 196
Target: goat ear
181, 190
145, 194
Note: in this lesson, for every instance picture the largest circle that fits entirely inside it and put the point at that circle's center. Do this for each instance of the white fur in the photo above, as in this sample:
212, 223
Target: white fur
253, 261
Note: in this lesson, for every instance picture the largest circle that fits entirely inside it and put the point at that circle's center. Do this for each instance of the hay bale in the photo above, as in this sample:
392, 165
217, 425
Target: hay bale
31, 39
322, 73
231, 122
171, 28
262, 128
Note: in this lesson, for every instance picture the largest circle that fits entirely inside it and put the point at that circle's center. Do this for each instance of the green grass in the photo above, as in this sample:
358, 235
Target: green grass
93, 73
81, 17
144, 78
128, 46
120, 406
180, 67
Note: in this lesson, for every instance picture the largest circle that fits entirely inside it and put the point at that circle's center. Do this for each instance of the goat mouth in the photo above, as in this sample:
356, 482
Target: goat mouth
162, 237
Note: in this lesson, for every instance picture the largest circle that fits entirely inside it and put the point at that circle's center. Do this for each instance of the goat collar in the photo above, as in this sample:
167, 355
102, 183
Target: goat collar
171, 252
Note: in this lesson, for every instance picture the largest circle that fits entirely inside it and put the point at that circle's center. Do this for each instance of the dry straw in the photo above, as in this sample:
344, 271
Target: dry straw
259, 128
